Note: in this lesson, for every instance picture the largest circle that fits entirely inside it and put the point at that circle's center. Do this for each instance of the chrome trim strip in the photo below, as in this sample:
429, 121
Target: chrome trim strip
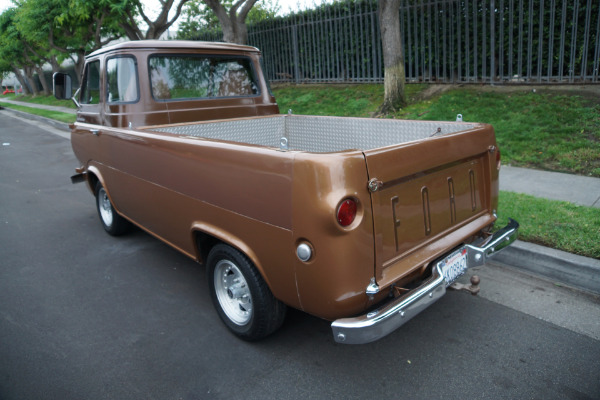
381, 322
74, 98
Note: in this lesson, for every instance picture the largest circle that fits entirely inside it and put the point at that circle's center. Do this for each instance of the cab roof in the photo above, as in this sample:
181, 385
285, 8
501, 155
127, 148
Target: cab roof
174, 44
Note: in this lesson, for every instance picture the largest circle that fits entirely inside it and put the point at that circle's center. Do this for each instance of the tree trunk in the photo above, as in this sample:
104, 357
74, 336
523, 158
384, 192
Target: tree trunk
42, 77
241, 31
235, 31
155, 28
21, 80
393, 61
233, 23
29, 76
79, 64
55, 65
228, 31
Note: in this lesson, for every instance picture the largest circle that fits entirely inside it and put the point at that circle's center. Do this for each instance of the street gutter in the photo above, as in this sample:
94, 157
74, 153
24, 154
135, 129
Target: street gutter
557, 265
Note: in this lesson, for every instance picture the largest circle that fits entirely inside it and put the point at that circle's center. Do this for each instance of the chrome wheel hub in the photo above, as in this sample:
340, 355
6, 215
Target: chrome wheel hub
233, 292
105, 208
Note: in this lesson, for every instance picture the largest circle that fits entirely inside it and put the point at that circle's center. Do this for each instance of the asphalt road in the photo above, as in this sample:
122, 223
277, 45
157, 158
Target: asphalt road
84, 315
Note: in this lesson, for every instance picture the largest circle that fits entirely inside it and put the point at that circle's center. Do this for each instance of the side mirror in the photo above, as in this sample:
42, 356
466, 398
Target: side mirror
61, 86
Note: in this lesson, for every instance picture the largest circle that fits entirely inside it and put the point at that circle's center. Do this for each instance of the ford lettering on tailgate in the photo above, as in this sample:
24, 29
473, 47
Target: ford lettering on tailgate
411, 211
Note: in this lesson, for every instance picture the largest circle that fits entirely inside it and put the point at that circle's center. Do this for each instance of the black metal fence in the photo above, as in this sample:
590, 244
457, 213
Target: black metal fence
444, 41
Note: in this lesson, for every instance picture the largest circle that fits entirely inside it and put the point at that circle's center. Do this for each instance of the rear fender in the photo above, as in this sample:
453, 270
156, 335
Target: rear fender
228, 238
93, 176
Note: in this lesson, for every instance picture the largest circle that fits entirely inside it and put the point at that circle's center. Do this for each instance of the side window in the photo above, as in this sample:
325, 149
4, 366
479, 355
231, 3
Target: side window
185, 76
121, 80
90, 90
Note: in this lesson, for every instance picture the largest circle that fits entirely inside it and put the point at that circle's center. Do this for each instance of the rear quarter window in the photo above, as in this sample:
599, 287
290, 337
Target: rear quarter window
174, 77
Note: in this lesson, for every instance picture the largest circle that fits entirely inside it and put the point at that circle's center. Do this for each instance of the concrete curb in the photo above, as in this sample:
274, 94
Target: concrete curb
56, 124
570, 269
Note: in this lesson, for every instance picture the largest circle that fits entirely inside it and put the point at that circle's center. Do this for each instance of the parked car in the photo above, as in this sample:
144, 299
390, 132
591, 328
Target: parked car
364, 222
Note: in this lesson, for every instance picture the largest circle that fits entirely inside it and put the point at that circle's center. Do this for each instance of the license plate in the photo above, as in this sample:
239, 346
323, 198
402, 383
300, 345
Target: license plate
454, 265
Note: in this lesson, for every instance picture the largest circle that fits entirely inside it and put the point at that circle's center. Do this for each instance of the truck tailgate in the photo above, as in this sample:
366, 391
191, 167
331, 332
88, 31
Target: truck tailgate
428, 196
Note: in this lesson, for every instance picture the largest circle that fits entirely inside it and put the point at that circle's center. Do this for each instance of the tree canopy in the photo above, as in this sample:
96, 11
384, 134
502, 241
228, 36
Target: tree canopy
226, 16
133, 11
34, 33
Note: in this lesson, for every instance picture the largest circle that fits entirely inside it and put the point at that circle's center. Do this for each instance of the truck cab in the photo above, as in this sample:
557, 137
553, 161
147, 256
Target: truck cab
153, 82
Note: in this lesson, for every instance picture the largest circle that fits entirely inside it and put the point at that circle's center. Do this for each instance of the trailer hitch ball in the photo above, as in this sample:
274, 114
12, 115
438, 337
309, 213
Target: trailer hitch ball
473, 288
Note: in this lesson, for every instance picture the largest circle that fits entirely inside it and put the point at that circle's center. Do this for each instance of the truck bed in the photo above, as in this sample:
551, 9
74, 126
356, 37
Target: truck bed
315, 134
421, 189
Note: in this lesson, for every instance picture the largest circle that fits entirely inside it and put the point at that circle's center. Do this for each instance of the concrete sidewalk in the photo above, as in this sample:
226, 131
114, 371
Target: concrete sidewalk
576, 189
556, 265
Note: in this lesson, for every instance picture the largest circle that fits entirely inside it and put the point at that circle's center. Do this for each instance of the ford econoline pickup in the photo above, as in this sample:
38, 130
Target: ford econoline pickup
363, 222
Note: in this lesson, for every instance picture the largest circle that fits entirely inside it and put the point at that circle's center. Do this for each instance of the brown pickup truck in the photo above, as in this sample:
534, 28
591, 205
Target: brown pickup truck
364, 222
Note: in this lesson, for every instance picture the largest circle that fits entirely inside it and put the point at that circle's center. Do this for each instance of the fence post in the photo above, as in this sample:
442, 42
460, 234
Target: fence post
296, 55
492, 41
573, 42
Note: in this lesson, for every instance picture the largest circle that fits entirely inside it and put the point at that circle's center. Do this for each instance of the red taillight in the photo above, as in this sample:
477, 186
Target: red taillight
346, 212
498, 159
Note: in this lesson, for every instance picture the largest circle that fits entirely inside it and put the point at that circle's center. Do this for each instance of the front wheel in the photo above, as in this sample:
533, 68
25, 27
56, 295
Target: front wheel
242, 298
112, 222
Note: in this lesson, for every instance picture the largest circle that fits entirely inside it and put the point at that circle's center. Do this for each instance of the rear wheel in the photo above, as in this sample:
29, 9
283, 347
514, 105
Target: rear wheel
112, 222
241, 296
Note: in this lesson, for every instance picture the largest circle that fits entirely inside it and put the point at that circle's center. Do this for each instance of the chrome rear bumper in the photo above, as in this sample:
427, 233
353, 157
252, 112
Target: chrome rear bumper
381, 322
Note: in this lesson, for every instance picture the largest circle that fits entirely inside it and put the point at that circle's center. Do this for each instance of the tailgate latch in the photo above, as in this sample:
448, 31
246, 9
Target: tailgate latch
372, 289
374, 185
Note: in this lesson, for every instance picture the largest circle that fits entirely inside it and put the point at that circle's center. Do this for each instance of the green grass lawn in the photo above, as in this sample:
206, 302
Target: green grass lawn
335, 99
538, 130
56, 115
41, 99
557, 224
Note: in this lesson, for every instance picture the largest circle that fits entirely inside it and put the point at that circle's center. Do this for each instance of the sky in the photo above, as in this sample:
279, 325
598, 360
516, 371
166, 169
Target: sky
4, 4
296, 5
